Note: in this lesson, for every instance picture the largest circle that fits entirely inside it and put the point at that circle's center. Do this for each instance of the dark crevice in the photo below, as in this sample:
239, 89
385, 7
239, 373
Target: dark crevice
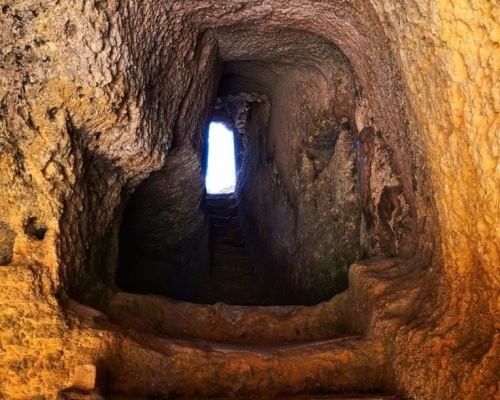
34, 229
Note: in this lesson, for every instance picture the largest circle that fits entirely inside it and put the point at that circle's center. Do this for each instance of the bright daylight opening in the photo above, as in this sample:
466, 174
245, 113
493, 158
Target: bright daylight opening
221, 169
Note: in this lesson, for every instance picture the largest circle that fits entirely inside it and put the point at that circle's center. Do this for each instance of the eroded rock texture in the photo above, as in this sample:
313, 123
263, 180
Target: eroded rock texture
368, 155
297, 184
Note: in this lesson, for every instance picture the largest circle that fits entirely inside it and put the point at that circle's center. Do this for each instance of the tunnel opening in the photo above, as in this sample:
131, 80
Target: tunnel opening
221, 164
283, 225
314, 186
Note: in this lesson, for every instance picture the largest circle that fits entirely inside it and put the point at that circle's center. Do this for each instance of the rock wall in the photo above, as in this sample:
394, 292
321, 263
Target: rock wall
164, 233
297, 189
447, 54
94, 94
298, 186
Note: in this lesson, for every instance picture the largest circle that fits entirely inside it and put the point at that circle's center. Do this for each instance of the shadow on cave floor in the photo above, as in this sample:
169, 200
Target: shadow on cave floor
78, 395
265, 340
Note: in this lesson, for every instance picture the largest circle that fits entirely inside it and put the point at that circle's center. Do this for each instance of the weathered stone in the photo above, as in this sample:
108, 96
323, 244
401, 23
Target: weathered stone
7, 237
85, 377
96, 96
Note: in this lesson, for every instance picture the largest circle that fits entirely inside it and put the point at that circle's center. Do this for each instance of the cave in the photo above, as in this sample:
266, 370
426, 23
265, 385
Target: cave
292, 225
352, 255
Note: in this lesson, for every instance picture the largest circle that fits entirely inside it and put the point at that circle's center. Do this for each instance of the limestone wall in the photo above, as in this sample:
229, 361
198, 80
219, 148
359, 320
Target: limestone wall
448, 55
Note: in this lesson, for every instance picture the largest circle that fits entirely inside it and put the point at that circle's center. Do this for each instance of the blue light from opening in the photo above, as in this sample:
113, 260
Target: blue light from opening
221, 169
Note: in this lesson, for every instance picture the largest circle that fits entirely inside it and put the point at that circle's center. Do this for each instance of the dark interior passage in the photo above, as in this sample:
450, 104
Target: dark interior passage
233, 278
164, 234
301, 211
293, 219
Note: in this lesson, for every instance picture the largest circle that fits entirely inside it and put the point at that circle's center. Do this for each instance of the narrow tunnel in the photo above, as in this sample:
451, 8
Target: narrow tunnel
319, 187
325, 182
292, 225
353, 256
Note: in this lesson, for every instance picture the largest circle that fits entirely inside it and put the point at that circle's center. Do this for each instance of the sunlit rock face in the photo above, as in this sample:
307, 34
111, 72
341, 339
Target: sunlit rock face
368, 135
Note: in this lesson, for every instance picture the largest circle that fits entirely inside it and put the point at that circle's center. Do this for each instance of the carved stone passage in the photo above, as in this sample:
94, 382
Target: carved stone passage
358, 253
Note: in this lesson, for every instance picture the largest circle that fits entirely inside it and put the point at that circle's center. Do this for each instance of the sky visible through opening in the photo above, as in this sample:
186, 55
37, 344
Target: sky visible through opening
221, 169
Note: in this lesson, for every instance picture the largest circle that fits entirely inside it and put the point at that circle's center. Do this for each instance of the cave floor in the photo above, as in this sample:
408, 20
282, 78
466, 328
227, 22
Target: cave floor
327, 397
198, 351
75, 395
268, 349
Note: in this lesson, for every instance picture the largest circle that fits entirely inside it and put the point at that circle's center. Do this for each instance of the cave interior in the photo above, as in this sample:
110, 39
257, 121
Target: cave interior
353, 259
281, 237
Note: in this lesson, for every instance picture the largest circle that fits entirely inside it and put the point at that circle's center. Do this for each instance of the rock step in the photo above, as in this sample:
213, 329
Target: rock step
229, 258
223, 201
275, 325
226, 241
78, 395
232, 280
218, 249
223, 221
234, 234
219, 230
159, 366
222, 210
